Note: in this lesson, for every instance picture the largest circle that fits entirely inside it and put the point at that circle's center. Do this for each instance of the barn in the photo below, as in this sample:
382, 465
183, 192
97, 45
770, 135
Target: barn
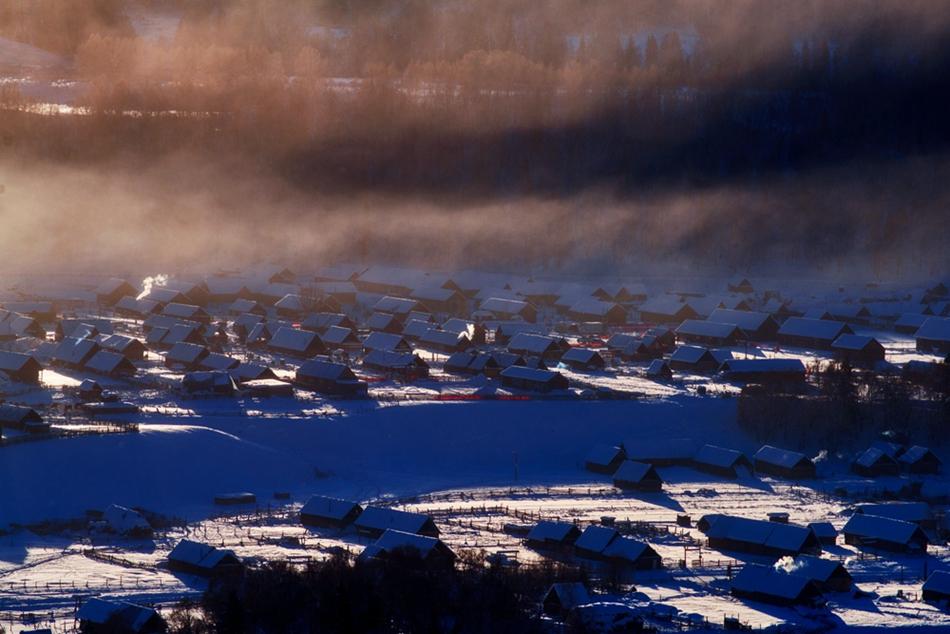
783, 463
326, 377
818, 334
533, 380
885, 534
203, 560
858, 350
583, 359
709, 333
637, 476
21, 368
376, 520
326, 512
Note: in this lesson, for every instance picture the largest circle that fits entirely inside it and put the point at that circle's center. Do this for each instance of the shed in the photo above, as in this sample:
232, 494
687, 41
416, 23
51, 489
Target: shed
828, 575
775, 371
375, 520
432, 551
110, 363
937, 587
694, 359
825, 532
384, 322
129, 347
709, 333
406, 365
386, 341
185, 356
563, 598
22, 418
548, 348
208, 383
756, 326
919, 460
659, 370
760, 537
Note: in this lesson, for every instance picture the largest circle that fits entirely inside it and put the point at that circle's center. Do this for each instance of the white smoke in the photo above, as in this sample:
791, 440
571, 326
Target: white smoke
787, 565
152, 280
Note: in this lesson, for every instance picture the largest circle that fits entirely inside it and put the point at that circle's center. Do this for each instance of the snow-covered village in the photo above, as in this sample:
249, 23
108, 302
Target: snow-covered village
689, 458
474, 316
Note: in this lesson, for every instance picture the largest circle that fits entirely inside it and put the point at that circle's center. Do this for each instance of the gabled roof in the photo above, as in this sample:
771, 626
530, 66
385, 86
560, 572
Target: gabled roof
528, 374
579, 355
503, 305
392, 540
782, 365
853, 342
338, 335
535, 344
546, 530
814, 328
935, 328
883, 528
381, 518
745, 319
75, 351
15, 361
107, 362
186, 352
700, 328
393, 360
905, 511
603, 454
915, 454
592, 306
385, 341
198, 554
689, 354
328, 507
395, 305
632, 471
596, 538
323, 368
758, 579
938, 581
780, 457
774, 535
718, 456
293, 339
871, 456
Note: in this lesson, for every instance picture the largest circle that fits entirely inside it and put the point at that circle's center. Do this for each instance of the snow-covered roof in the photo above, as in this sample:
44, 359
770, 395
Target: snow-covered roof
385, 341
632, 471
392, 540
322, 368
774, 535
124, 520
696, 327
503, 305
883, 528
781, 365
118, 343
433, 293
528, 374
395, 305
745, 319
217, 361
74, 351
938, 581
625, 548
380, 518
415, 328
547, 530
911, 320
186, 352
853, 342
579, 355
603, 454
328, 507
107, 362
570, 595
688, 354
379, 321
103, 611
392, 360
592, 306
620, 340
813, 328
905, 511
870, 456
461, 326
662, 305
338, 335
527, 342
198, 554
779, 457
755, 578
718, 456
15, 361
596, 538
293, 339
935, 328
915, 454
